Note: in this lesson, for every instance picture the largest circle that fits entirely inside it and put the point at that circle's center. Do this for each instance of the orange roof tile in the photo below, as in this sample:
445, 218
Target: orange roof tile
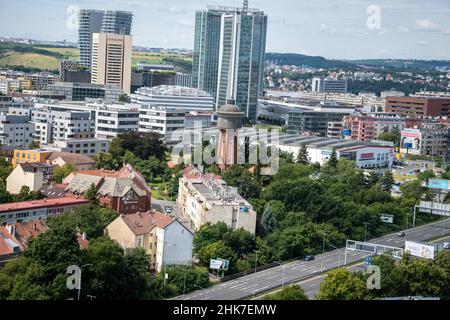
43, 203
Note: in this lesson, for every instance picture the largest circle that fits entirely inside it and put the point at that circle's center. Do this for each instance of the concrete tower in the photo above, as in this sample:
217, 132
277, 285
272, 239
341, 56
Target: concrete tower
229, 122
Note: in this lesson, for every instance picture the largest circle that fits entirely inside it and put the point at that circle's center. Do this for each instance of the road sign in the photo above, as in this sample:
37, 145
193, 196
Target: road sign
215, 264
225, 263
419, 249
434, 208
368, 261
387, 218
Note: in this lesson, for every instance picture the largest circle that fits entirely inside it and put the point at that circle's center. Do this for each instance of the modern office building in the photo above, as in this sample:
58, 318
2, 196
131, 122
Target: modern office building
334, 129
418, 106
75, 91
114, 119
228, 60
15, 131
94, 21
89, 147
51, 124
118, 22
320, 84
429, 140
188, 99
183, 80
306, 119
111, 60
164, 120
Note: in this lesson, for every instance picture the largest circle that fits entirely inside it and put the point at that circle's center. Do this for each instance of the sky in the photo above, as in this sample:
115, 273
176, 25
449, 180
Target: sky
336, 29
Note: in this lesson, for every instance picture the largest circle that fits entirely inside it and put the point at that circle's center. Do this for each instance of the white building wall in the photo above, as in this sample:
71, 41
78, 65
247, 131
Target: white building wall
174, 246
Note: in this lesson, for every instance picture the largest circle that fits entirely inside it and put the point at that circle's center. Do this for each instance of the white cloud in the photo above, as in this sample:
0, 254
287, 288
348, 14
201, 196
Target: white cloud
403, 29
325, 28
427, 25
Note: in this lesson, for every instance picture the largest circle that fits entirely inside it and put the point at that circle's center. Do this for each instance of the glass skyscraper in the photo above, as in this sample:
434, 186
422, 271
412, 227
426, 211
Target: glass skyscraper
229, 49
93, 21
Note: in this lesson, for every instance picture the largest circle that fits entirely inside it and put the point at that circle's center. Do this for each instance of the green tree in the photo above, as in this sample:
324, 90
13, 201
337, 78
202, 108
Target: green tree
34, 145
392, 136
61, 172
333, 161
26, 195
91, 194
302, 156
183, 279
387, 181
105, 160
290, 292
340, 284
142, 144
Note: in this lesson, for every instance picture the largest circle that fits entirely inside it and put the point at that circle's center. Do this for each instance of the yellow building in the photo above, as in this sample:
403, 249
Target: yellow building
30, 156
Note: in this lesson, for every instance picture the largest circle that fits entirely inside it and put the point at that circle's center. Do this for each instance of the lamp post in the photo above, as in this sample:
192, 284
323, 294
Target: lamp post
365, 230
254, 276
284, 271
339, 254
323, 250
81, 270
206, 291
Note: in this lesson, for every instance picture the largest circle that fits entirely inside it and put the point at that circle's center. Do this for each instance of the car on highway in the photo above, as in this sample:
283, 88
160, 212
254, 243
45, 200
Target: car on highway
309, 257
168, 209
446, 245
401, 234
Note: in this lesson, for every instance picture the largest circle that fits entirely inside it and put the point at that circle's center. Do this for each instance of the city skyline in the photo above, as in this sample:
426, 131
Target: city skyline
405, 29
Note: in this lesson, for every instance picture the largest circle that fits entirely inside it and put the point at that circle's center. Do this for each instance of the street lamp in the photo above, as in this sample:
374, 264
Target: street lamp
339, 254
81, 270
284, 271
323, 250
254, 276
206, 291
365, 230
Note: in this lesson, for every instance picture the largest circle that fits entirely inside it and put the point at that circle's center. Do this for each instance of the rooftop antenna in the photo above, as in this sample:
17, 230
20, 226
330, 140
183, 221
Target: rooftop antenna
245, 6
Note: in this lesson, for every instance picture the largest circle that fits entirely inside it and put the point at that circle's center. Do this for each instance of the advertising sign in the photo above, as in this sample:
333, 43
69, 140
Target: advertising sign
411, 140
442, 184
419, 250
215, 264
225, 263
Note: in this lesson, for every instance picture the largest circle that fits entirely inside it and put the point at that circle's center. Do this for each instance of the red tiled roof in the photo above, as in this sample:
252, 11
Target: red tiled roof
101, 173
162, 220
5, 249
43, 203
83, 243
26, 230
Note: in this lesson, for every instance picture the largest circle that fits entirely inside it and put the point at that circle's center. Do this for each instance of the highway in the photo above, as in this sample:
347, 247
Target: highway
296, 271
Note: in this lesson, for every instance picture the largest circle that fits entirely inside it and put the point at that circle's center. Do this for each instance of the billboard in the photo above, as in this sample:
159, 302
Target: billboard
442, 184
419, 250
410, 142
387, 218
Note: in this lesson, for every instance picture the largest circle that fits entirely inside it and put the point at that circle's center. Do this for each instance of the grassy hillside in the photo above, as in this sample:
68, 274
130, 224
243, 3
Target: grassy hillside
29, 58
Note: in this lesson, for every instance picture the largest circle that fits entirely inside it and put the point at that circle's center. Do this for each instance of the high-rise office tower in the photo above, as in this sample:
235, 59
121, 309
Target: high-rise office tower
117, 22
89, 21
93, 21
111, 60
229, 50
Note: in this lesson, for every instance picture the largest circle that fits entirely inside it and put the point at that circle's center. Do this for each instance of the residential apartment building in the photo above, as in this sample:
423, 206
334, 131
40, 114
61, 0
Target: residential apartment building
111, 60
369, 127
15, 130
418, 106
14, 212
166, 241
30, 156
124, 191
334, 129
206, 198
32, 175
187, 99
320, 84
228, 58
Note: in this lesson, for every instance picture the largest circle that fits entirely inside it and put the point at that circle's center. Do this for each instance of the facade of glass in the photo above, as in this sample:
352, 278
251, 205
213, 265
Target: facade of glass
229, 49
93, 21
